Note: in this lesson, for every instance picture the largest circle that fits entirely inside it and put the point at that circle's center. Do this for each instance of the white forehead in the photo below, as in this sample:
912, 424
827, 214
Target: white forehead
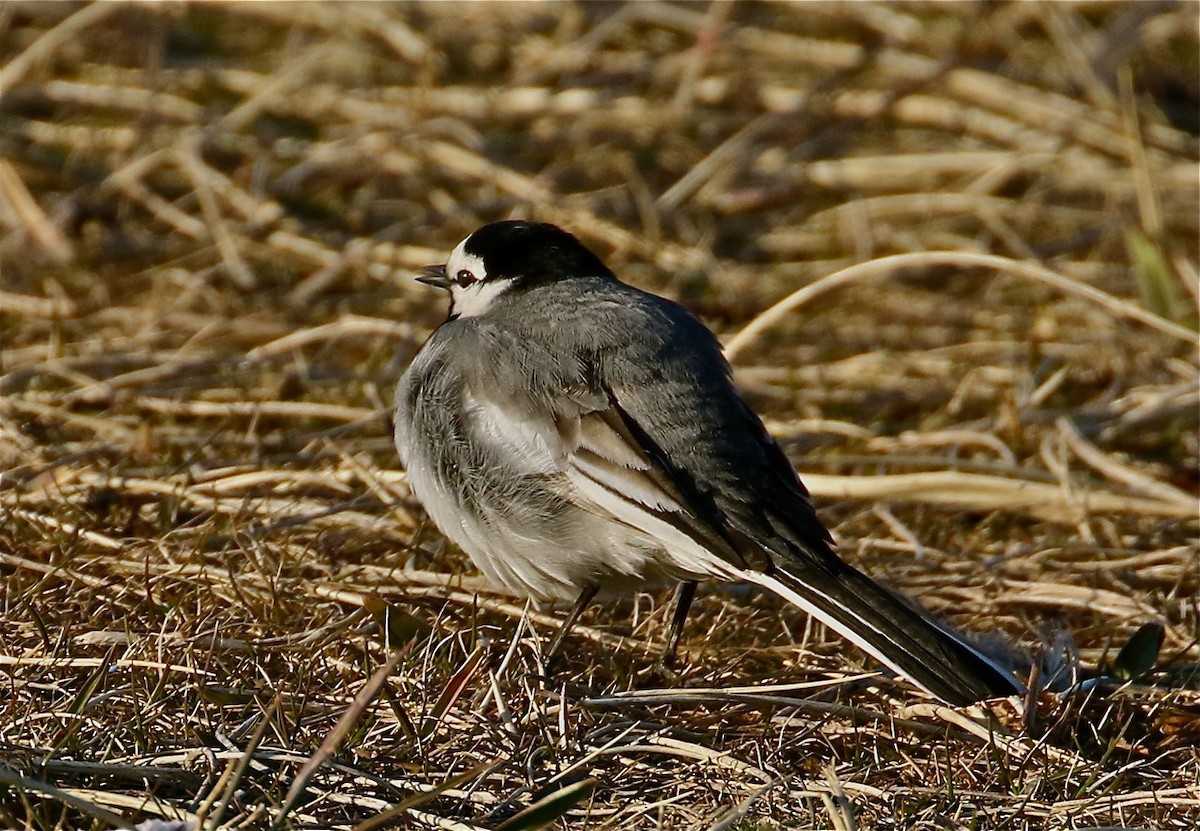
460, 260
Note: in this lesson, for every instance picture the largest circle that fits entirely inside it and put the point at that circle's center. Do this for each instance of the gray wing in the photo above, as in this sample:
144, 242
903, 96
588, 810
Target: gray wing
548, 416
645, 410
676, 396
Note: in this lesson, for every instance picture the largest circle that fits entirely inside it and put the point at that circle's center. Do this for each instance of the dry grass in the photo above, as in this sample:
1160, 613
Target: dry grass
219, 602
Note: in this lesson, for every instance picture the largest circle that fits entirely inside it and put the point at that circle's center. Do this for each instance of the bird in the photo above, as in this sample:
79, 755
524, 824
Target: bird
578, 437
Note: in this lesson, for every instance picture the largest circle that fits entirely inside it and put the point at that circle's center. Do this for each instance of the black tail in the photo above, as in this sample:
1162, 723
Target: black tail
894, 633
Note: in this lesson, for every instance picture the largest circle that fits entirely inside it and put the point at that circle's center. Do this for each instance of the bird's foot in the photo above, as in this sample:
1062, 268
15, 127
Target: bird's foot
662, 672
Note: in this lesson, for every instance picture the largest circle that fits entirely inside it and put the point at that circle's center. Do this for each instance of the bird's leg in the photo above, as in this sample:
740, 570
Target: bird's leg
585, 597
684, 594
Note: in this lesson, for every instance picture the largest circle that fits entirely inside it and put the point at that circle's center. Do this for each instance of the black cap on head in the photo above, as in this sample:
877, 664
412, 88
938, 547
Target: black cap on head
532, 252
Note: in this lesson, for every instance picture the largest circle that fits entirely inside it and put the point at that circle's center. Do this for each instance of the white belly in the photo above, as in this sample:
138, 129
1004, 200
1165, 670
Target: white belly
524, 560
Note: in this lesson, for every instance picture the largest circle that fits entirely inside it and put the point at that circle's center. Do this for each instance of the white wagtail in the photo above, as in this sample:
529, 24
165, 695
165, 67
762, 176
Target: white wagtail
577, 436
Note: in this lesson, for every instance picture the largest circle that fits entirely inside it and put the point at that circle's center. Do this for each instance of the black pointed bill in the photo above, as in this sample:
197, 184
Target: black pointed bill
434, 275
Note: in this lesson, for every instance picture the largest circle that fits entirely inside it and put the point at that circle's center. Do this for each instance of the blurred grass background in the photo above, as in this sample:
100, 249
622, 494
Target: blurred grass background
210, 214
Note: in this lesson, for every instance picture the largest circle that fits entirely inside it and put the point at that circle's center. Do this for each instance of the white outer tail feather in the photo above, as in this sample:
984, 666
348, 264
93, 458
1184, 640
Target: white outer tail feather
783, 591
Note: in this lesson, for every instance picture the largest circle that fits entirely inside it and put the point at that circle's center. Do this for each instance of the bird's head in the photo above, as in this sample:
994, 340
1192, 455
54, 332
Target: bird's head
505, 256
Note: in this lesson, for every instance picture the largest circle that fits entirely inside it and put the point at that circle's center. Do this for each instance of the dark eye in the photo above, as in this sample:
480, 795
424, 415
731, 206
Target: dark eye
464, 278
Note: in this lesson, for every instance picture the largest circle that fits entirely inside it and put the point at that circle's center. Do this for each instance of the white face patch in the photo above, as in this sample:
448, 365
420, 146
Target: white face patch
478, 293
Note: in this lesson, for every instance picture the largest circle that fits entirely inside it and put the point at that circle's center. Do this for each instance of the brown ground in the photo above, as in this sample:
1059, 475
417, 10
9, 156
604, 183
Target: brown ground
210, 215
